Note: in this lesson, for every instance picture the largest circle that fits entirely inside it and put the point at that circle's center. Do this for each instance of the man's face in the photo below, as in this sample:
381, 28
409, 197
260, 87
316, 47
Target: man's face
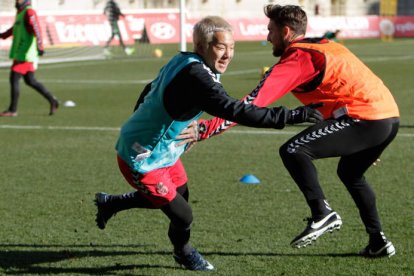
277, 38
19, 3
220, 52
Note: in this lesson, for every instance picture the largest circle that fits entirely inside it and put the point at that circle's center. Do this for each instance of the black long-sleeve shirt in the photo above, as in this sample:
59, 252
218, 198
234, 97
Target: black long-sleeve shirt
196, 89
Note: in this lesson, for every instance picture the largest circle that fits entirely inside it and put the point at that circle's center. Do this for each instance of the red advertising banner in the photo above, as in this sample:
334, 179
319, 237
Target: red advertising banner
250, 29
163, 30
350, 26
166, 30
404, 26
94, 29
88, 29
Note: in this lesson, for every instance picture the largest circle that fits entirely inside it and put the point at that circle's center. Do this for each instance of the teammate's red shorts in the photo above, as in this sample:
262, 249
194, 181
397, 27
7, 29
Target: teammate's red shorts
22, 67
158, 186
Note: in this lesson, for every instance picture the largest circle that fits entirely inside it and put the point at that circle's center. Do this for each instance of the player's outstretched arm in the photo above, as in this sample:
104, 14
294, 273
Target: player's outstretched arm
307, 113
6, 34
301, 114
189, 136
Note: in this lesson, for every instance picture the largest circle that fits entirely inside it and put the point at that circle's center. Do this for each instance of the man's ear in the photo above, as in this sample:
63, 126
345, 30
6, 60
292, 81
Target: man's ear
287, 33
199, 49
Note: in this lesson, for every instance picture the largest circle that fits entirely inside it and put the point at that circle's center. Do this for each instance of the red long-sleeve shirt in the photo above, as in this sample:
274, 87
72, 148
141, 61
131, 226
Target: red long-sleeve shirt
296, 68
33, 27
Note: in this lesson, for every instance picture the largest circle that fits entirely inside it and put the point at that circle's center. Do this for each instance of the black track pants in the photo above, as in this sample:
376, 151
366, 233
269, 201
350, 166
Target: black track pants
31, 81
358, 144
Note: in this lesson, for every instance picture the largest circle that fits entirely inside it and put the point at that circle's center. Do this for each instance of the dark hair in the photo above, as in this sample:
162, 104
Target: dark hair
290, 15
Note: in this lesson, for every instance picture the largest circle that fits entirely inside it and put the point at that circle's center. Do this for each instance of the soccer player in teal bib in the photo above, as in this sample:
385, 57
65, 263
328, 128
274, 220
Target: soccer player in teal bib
150, 145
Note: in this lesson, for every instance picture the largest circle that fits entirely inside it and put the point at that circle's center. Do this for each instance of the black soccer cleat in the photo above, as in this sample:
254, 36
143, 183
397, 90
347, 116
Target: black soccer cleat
385, 248
315, 229
193, 261
104, 213
54, 105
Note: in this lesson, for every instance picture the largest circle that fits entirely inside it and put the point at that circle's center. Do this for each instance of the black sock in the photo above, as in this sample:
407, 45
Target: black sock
377, 239
319, 208
128, 201
179, 231
185, 250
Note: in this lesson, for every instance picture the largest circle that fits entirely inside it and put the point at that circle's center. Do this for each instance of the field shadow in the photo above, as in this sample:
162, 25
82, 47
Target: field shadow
279, 254
34, 259
29, 258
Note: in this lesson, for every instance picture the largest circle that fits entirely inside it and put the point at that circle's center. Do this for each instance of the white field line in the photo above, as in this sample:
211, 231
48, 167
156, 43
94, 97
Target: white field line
93, 82
145, 81
381, 59
125, 82
232, 131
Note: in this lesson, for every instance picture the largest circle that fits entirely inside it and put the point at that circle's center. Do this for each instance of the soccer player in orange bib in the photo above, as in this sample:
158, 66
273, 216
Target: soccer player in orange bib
361, 120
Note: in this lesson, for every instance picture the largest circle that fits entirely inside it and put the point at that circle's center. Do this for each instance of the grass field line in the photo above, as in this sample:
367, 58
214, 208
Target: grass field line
145, 81
381, 59
117, 82
91, 128
93, 82
229, 73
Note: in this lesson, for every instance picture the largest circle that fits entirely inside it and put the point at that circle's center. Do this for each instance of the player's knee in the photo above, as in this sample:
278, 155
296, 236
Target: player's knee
179, 213
29, 80
187, 219
341, 175
346, 176
183, 222
282, 151
287, 152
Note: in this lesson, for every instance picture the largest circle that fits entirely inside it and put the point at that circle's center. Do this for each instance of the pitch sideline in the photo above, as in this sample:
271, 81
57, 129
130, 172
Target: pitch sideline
86, 128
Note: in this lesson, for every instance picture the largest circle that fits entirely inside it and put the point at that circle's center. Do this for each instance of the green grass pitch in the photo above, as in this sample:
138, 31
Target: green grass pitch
51, 167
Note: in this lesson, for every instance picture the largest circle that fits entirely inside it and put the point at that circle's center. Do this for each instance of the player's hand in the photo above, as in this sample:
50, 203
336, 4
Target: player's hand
41, 52
189, 136
307, 113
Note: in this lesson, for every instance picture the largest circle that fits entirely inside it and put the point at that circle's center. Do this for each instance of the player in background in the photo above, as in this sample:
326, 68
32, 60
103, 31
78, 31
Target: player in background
26, 48
149, 147
361, 120
332, 35
113, 13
